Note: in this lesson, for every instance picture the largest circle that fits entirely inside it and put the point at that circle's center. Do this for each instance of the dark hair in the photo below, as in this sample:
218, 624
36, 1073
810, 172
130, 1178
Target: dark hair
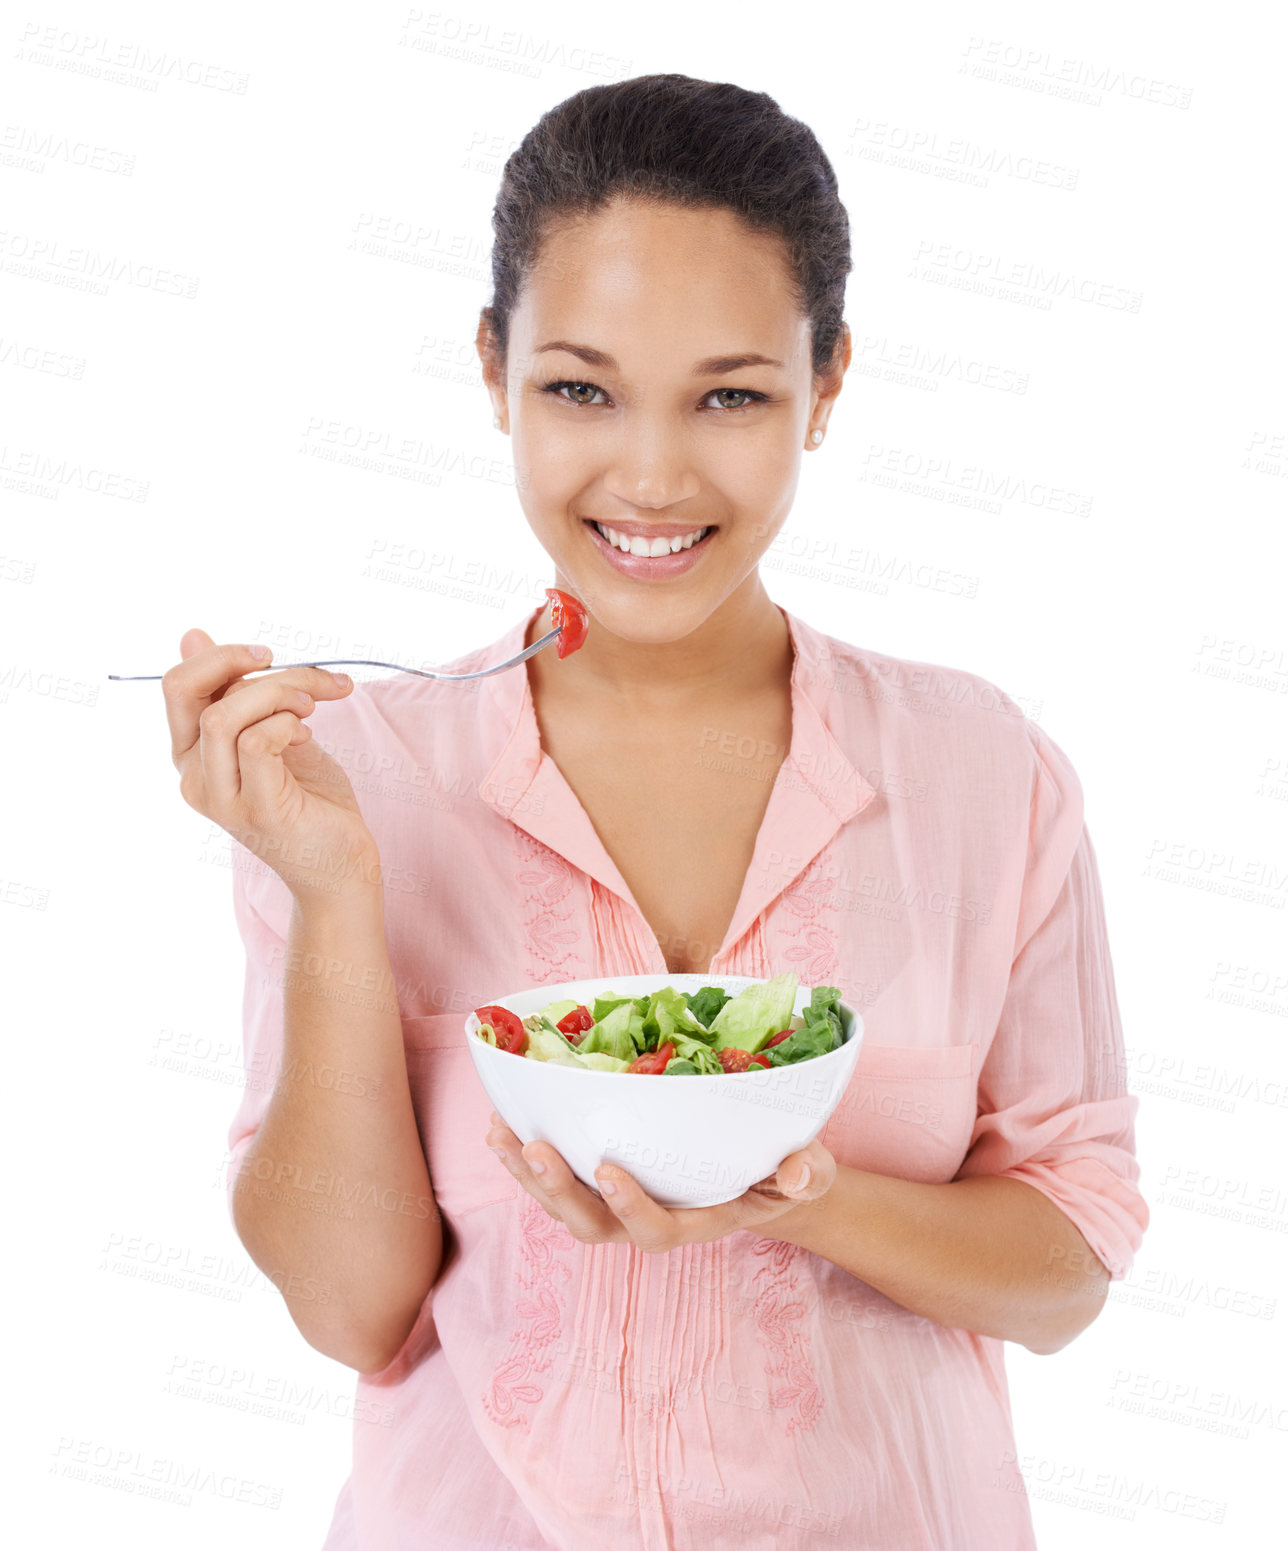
673, 139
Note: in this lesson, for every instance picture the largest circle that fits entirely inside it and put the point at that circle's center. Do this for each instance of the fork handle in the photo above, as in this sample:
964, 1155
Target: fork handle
366, 662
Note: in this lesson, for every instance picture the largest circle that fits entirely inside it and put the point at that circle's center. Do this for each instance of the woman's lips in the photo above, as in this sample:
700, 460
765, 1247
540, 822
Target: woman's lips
649, 567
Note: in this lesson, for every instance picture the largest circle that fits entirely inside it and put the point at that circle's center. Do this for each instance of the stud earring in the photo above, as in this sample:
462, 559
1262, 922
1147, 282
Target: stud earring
817, 437
496, 421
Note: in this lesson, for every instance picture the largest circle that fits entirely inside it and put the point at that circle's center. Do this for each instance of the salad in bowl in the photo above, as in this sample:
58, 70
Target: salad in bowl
764, 1063
674, 1033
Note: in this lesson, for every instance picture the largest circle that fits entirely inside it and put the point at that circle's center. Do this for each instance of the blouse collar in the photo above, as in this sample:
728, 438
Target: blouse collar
817, 788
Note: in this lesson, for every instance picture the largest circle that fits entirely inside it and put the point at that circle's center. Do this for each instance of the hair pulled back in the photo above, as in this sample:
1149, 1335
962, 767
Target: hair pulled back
671, 139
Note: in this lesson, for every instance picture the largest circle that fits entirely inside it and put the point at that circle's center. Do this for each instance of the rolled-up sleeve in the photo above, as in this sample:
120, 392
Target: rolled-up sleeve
262, 907
1054, 1110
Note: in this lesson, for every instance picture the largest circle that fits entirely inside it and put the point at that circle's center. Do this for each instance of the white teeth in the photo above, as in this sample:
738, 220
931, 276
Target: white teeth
646, 548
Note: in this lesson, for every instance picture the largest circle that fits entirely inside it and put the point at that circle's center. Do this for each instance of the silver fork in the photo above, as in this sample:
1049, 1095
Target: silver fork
366, 662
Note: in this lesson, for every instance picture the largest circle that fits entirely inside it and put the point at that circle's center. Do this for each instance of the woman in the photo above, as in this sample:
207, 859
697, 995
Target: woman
708, 785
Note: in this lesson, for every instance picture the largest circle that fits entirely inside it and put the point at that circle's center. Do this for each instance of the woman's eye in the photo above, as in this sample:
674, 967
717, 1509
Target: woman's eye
584, 393
743, 393
577, 388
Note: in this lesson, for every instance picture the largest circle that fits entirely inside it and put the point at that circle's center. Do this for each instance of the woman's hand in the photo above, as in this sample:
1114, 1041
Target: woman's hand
246, 760
628, 1214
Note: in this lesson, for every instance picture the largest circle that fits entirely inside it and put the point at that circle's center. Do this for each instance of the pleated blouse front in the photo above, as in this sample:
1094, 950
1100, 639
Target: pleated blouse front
923, 849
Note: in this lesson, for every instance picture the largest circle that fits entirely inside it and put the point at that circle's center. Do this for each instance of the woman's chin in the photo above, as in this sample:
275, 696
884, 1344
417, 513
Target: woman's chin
620, 612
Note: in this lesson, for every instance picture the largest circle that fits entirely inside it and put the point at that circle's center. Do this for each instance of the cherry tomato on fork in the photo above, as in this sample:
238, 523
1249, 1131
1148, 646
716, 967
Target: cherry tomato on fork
507, 1026
575, 1024
569, 617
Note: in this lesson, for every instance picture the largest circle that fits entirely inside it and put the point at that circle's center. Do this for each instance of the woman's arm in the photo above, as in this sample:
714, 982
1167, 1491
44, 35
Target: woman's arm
333, 1199
990, 1255
988, 1251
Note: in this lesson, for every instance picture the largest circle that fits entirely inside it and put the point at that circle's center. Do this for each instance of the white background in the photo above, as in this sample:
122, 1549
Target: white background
1081, 205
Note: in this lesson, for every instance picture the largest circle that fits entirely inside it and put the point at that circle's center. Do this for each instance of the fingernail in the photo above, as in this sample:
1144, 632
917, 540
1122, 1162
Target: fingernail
800, 1182
607, 1187
260, 652
342, 679
536, 1165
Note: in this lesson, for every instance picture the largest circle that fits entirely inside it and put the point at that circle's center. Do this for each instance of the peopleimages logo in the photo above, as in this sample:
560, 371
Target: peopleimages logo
31, 255
848, 883
1017, 64
670, 1165
89, 53
952, 157
936, 472
984, 269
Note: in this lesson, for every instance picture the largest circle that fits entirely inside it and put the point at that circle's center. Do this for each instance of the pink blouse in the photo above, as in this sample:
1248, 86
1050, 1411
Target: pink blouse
924, 850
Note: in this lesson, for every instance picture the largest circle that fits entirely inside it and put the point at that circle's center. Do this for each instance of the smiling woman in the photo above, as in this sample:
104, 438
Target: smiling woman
669, 467
575, 1368
630, 221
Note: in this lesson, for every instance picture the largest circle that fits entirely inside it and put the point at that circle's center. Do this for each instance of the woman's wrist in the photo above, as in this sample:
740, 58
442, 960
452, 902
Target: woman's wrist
358, 902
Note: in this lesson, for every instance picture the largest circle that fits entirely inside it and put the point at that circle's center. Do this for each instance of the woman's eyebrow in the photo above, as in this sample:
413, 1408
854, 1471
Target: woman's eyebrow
712, 366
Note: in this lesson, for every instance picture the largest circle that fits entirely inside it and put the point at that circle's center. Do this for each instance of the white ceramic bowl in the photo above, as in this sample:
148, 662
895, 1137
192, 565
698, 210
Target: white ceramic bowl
689, 1141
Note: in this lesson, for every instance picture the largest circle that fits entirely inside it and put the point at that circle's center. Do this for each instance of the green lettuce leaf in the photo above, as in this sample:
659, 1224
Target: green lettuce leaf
598, 1061
687, 1048
820, 1029
549, 1045
706, 1003
603, 1005
668, 1013
557, 1010
756, 1013
620, 1034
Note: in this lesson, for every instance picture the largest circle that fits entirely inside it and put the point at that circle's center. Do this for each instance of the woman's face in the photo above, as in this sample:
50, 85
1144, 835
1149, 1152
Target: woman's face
622, 414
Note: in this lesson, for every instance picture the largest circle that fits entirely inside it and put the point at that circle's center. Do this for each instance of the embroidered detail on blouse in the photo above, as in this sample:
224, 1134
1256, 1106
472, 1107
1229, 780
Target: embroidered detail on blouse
778, 1305
551, 939
540, 1311
779, 1313
813, 955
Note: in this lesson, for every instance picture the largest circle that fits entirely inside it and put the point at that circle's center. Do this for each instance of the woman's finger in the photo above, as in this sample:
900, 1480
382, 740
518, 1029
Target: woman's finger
259, 760
226, 720
196, 682
808, 1174
507, 1145
649, 1224
565, 1197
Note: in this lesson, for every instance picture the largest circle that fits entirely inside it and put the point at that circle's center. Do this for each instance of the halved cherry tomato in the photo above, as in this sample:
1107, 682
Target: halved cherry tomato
568, 616
506, 1025
733, 1058
653, 1064
575, 1024
761, 1059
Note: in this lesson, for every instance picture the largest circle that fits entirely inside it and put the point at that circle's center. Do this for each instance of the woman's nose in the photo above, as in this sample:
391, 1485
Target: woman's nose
651, 467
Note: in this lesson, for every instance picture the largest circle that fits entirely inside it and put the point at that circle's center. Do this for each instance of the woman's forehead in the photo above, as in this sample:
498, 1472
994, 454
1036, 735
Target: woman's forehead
700, 276
655, 234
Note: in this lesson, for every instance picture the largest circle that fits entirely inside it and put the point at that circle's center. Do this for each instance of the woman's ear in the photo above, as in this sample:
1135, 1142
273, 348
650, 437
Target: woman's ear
828, 383
493, 364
